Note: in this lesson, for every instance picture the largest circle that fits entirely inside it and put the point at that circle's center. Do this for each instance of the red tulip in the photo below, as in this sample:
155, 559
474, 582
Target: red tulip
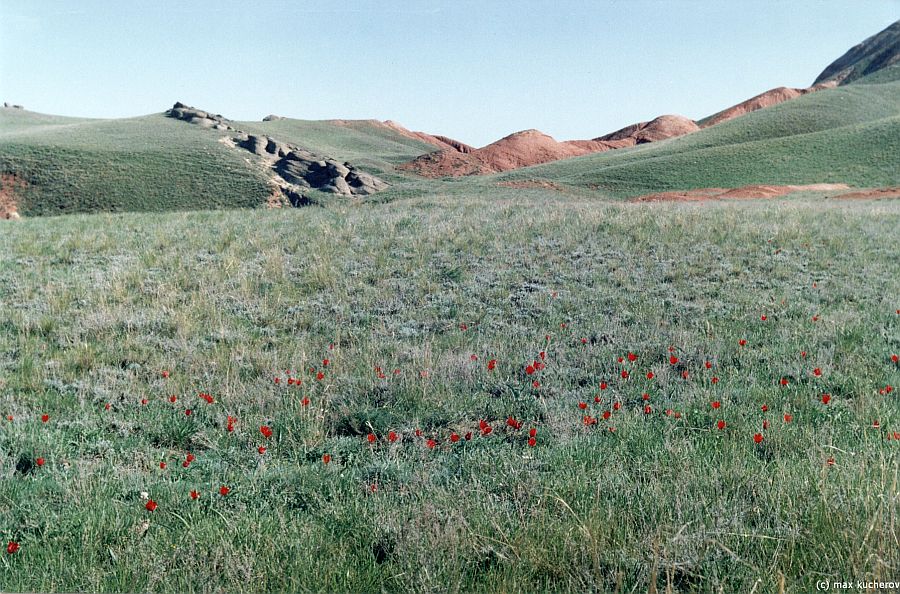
532, 442
720, 425
431, 443
45, 418
632, 357
742, 342
454, 437
532, 432
582, 405
326, 458
305, 401
817, 372
371, 438
758, 438
144, 401
606, 415
617, 406
261, 450
826, 398
714, 380
266, 431
173, 398
190, 458
708, 365
762, 317
492, 364
650, 375
716, 404
784, 381
647, 410
603, 385
529, 370
162, 465
895, 358
223, 490
788, 418
194, 494
150, 505
320, 376
40, 461
392, 437
188, 412
673, 360
12, 547
624, 374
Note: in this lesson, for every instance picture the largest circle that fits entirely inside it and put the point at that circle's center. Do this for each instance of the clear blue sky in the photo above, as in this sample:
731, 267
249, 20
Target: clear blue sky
473, 70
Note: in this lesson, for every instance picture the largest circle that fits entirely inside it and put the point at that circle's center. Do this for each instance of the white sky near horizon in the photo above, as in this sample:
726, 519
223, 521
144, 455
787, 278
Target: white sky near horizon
471, 70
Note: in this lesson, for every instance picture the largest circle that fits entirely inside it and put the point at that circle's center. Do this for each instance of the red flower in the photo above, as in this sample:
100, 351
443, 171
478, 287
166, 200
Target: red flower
765, 408
266, 431
606, 415
492, 364
162, 465
532, 442
742, 342
677, 415
895, 358
542, 355
826, 398
223, 490
803, 354
817, 372
320, 376
788, 418
765, 423
9, 418
194, 494
485, 428
185, 464
40, 461
815, 318
535, 384
647, 410
532, 432
708, 365
12, 547
603, 385
684, 374
151, 505
173, 398
326, 458
261, 450
463, 327
762, 317
584, 341
716, 404
597, 399
720, 425
468, 436
392, 437
673, 360
876, 424
784, 381
473, 357
645, 397
589, 420
431, 443
582, 405
188, 412
632, 357
190, 458
305, 401
512, 422
529, 370
144, 401
165, 374
650, 375
758, 438
454, 437
277, 380
624, 374
45, 418
621, 359
371, 438
107, 406
617, 406
325, 362
418, 433
715, 380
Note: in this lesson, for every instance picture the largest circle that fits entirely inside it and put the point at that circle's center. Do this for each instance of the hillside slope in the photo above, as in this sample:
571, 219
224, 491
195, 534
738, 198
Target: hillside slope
871, 55
850, 134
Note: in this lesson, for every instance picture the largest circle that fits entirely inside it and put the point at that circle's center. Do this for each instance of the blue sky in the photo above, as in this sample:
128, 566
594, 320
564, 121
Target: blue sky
473, 70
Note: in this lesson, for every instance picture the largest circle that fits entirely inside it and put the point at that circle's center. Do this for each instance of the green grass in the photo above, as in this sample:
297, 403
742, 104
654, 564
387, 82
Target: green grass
95, 307
155, 163
850, 134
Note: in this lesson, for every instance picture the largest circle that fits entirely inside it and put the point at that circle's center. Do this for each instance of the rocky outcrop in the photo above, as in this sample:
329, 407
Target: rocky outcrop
294, 170
878, 51
661, 128
12, 106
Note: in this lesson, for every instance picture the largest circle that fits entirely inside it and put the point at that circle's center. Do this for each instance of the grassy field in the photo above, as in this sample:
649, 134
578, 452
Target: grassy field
847, 135
410, 302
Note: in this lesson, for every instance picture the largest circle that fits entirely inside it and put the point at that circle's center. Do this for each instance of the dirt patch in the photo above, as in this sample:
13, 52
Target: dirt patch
10, 186
753, 192
873, 194
532, 184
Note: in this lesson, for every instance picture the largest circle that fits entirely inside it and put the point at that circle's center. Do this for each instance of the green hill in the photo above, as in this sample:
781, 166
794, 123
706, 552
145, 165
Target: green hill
156, 163
849, 134
879, 51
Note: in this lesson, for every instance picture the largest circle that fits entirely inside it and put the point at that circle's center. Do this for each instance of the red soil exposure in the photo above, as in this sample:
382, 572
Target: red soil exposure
753, 192
9, 185
873, 194
532, 147
763, 100
442, 142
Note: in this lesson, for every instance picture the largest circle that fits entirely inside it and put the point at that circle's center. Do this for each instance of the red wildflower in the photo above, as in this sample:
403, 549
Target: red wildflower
392, 436
326, 458
325, 362
532, 442
185, 464
742, 342
305, 401
826, 398
485, 428
784, 381
162, 465
188, 412
765, 408
720, 425
762, 317
582, 405
12, 547
830, 461
277, 380
473, 357
803, 354
45, 418
632, 357
266, 431
150, 505
535, 384
817, 372
107, 406
589, 420
647, 410
617, 406
492, 364
512, 422
542, 355
673, 360
144, 401
714, 379
190, 458
371, 438
165, 374
765, 423
716, 404
815, 318
708, 365
603, 385
895, 358
684, 374
463, 327
606, 415
677, 415
223, 490
876, 424
194, 494
454, 437
788, 418
320, 376
40, 461
650, 375
468, 436
418, 433
261, 450
597, 399
758, 438
529, 370
173, 398
431, 443
645, 397
532, 432
624, 374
